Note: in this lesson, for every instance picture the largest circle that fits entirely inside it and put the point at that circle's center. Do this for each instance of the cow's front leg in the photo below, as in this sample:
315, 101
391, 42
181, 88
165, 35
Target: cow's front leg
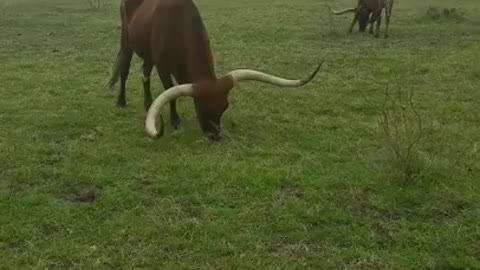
147, 94
379, 22
168, 83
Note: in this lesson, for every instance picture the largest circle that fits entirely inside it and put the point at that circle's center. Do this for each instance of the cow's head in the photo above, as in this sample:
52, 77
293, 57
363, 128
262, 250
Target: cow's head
211, 98
211, 101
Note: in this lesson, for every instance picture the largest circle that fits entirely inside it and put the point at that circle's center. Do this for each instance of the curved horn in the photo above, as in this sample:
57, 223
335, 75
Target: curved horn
157, 105
343, 11
253, 75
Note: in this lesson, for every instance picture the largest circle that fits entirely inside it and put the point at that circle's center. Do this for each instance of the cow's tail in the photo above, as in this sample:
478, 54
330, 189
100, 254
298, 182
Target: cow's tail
115, 76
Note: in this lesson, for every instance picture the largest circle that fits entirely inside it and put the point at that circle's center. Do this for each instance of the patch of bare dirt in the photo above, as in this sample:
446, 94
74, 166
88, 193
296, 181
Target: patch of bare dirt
81, 193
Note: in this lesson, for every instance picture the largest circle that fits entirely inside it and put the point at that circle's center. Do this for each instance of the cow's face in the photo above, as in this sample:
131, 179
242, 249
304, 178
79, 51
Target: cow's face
210, 106
363, 18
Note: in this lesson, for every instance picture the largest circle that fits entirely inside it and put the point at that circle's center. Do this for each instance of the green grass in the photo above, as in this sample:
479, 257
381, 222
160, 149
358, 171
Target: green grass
301, 182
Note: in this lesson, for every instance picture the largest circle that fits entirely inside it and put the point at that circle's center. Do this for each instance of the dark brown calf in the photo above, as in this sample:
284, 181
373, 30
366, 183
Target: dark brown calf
170, 35
362, 14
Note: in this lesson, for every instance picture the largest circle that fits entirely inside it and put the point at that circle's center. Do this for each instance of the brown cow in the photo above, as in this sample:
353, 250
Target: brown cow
362, 14
170, 35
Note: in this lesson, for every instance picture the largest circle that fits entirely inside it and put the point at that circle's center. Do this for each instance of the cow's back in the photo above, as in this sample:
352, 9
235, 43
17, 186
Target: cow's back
172, 35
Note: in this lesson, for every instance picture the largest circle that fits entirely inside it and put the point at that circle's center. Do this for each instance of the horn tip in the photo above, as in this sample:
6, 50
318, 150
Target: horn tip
314, 73
152, 131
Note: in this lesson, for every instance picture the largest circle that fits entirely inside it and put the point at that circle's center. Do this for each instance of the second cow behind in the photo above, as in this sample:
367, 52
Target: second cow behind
364, 9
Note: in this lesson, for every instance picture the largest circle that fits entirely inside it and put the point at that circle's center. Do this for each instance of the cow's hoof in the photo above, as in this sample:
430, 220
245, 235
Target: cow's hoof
175, 122
122, 104
214, 137
147, 107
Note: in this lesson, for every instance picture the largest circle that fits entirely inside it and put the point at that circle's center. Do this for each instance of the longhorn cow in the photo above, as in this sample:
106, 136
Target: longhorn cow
362, 14
170, 35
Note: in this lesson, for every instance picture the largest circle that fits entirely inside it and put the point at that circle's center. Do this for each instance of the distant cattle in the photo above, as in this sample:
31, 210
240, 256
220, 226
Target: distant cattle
170, 35
364, 9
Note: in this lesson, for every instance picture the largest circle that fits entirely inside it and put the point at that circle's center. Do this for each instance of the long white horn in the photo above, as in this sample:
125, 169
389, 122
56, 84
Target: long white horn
157, 105
343, 11
253, 75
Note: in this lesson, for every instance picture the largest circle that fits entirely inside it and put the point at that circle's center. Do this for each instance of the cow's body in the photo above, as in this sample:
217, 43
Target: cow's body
156, 32
170, 36
370, 11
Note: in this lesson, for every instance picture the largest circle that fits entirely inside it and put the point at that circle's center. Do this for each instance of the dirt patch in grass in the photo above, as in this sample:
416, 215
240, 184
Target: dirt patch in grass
82, 193
49, 229
52, 158
283, 246
358, 202
290, 191
475, 248
448, 213
380, 221
368, 263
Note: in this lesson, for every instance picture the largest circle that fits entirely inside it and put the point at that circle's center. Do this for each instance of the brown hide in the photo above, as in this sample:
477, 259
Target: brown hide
170, 36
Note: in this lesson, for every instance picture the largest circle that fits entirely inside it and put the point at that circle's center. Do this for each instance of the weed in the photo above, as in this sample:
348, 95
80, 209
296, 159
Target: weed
413, 143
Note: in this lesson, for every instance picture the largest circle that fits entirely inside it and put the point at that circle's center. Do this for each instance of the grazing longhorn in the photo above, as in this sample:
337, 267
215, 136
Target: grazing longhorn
170, 35
362, 14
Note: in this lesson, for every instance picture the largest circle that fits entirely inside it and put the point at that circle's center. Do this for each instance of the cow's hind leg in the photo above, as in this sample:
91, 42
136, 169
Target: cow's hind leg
370, 31
387, 22
388, 13
379, 22
147, 94
125, 59
373, 19
168, 83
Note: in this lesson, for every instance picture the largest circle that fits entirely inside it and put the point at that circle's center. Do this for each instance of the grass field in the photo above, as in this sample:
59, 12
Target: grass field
305, 178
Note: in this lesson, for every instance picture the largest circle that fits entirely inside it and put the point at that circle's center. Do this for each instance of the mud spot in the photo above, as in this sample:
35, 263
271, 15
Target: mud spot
290, 191
142, 182
358, 202
384, 233
449, 212
281, 246
475, 247
369, 263
81, 194
49, 229
52, 159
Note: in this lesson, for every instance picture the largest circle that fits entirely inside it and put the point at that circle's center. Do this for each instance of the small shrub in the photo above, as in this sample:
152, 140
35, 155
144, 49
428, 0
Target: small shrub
402, 130
414, 144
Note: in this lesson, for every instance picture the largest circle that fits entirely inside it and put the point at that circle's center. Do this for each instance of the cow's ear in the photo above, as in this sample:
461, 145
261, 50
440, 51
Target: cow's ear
225, 84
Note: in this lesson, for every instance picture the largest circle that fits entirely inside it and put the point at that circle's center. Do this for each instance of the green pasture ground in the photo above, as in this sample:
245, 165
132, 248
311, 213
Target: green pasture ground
304, 179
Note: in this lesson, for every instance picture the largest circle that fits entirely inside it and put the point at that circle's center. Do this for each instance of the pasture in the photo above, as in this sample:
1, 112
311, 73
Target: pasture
335, 175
